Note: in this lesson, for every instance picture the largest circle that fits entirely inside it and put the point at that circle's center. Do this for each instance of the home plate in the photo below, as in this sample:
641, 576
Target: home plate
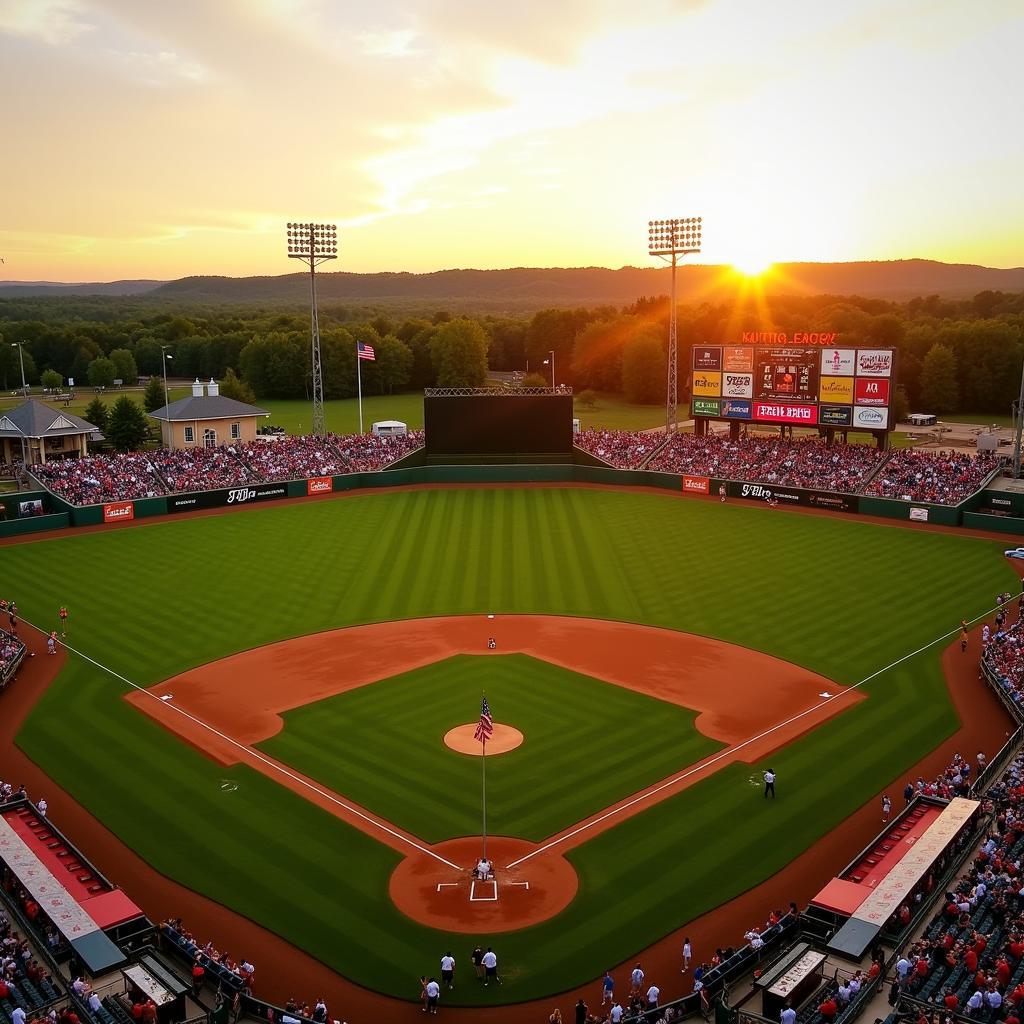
824, 693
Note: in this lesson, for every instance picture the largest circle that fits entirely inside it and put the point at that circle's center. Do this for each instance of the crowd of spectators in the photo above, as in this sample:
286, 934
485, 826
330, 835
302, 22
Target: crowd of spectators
12, 650
807, 463
97, 479
292, 458
623, 449
941, 477
365, 453
24, 983
9, 470
1004, 657
214, 964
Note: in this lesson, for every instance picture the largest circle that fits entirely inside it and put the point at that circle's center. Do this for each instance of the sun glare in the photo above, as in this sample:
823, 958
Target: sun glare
751, 265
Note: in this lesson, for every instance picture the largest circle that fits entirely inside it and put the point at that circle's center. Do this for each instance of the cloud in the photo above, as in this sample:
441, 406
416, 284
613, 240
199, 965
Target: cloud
157, 68
388, 43
54, 22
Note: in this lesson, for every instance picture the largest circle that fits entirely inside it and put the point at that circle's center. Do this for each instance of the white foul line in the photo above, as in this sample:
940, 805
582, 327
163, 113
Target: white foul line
730, 751
273, 765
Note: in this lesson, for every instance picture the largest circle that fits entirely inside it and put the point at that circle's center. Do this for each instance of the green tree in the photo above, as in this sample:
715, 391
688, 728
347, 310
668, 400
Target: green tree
394, 364
153, 397
127, 428
536, 380
459, 354
10, 367
97, 414
939, 386
147, 356
644, 368
899, 410
52, 380
276, 365
102, 372
586, 399
232, 387
124, 364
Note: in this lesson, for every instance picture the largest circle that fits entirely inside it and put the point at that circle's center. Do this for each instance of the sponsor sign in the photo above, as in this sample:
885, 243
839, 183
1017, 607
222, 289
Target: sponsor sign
696, 484
874, 362
795, 496
737, 359
709, 385
871, 391
707, 357
221, 498
777, 412
319, 485
737, 385
869, 418
919, 515
705, 406
835, 415
838, 362
736, 409
118, 511
789, 374
837, 389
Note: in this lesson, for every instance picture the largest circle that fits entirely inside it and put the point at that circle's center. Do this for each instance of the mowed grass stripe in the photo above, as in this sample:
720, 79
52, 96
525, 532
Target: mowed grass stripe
840, 597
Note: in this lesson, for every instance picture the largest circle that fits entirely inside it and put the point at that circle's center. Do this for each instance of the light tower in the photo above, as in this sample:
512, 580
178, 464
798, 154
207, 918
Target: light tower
670, 239
314, 244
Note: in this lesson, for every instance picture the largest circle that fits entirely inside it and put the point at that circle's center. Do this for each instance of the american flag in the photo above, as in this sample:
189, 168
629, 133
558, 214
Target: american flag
365, 351
486, 725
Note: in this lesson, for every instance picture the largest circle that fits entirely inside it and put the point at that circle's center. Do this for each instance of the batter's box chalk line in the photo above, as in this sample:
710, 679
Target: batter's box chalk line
473, 898
446, 885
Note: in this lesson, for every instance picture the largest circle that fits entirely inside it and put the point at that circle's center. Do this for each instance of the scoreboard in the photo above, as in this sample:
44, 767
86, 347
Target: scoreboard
794, 384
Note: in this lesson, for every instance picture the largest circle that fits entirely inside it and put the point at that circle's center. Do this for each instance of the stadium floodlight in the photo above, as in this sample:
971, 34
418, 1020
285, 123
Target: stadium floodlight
668, 240
164, 356
314, 244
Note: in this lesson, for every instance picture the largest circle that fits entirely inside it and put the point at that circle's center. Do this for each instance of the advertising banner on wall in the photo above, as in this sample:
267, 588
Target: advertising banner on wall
869, 418
696, 484
226, 497
794, 496
319, 485
871, 391
708, 385
874, 362
835, 415
736, 409
838, 390
919, 515
838, 362
705, 407
737, 385
738, 358
789, 374
707, 358
775, 412
118, 512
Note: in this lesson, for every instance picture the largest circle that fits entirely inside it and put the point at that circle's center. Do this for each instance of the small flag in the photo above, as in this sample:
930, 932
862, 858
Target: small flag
486, 724
365, 351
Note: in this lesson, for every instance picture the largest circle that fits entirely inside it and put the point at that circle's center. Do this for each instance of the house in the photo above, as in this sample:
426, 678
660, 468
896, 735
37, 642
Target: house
38, 434
206, 419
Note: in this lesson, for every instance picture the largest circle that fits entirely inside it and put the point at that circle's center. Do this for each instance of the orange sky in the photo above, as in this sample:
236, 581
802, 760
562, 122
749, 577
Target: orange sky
153, 139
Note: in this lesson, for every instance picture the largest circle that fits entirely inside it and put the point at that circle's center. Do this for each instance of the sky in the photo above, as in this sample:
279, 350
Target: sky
155, 139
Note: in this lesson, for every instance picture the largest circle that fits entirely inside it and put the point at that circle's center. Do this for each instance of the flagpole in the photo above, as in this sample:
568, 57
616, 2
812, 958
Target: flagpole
483, 779
359, 377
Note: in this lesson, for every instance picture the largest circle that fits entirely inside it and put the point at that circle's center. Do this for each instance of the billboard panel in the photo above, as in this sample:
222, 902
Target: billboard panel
319, 485
736, 409
738, 358
789, 374
835, 415
696, 484
707, 385
870, 418
872, 391
778, 412
705, 407
707, 358
874, 362
118, 511
838, 362
837, 389
737, 385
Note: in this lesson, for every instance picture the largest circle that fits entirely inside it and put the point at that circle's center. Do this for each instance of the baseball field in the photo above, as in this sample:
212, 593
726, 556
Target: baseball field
294, 780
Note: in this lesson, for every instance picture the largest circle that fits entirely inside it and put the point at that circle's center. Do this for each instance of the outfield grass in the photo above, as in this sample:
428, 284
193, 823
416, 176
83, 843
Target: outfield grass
841, 598
533, 791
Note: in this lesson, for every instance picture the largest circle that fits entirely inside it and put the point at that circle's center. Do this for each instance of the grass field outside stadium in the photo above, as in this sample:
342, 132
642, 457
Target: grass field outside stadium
842, 598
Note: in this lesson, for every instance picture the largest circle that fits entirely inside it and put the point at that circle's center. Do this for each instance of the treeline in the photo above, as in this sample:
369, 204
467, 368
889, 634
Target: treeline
953, 354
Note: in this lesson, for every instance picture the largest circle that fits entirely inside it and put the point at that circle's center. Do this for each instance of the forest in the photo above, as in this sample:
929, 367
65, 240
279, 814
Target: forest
954, 355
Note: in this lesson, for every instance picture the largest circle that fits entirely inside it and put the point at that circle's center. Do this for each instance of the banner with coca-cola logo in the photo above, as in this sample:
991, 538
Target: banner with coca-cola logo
696, 484
319, 485
118, 511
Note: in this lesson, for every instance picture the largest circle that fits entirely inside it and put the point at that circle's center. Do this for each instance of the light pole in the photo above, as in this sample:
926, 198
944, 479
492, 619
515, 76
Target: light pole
551, 359
21, 359
314, 244
1020, 425
668, 240
167, 400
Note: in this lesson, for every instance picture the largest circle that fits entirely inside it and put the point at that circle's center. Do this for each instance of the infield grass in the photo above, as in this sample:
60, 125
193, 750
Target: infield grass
842, 598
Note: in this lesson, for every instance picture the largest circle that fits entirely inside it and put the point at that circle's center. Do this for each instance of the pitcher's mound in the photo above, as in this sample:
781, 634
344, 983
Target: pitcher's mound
503, 739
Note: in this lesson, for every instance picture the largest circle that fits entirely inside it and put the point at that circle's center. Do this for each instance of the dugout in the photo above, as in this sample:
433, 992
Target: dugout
485, 425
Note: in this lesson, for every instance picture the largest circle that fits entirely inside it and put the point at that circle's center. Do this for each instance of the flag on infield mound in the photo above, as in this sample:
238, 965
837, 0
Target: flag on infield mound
486, 724
365, 351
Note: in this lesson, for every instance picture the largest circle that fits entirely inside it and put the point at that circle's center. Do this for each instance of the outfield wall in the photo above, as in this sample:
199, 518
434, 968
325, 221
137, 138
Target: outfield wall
406, 475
